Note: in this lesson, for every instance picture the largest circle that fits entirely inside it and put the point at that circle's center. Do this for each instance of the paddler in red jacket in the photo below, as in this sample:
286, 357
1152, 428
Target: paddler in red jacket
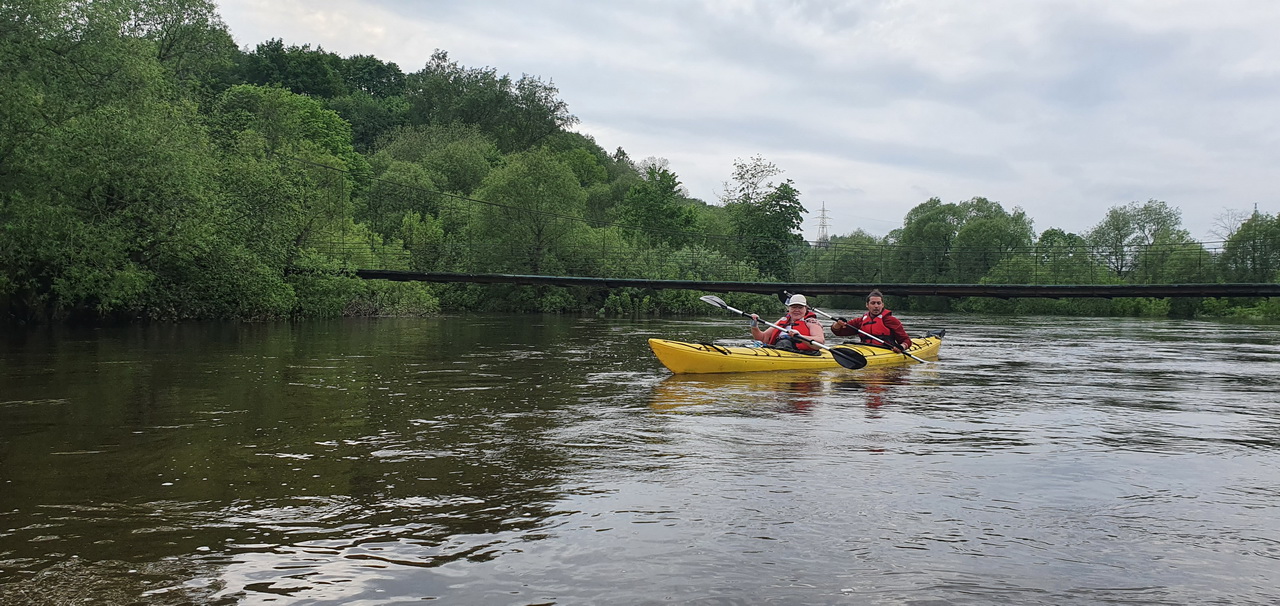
799, 320
879, 322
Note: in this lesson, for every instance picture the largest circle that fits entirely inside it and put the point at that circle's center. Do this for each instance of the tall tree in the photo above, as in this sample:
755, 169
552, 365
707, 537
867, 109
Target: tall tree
534, 205
300, 69
988, 235
368, 74
105, 176
1128, 233
1252, 254
923, 251
517, 114
191, 41
766, 217
654, 210
1063, 258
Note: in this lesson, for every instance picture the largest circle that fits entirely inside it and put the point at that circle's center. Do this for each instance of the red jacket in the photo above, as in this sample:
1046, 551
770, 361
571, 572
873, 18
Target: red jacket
884, 326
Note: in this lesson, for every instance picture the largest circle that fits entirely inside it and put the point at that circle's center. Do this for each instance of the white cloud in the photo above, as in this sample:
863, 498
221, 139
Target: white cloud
1062, 108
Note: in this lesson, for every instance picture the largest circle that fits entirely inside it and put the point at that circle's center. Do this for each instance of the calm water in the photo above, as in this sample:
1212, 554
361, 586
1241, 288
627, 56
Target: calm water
546, 460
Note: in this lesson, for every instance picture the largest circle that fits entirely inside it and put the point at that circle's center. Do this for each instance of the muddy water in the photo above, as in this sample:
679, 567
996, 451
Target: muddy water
536, 460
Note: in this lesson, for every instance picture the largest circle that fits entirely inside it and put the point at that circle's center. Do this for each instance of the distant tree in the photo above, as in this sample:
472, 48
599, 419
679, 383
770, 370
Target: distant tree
856, 257
517, 114
585, 165
1252, 254
535, 203
923, 251
1128, 232
289, 123
300, 69
1227, 222
368, 74
457, 156
401, 188
765, 217
655, 212
371, 117
191, 41
1063, 258
988, 236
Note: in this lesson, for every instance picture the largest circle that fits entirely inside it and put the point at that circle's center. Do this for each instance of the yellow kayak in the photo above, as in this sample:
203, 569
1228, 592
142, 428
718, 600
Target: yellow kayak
681, 357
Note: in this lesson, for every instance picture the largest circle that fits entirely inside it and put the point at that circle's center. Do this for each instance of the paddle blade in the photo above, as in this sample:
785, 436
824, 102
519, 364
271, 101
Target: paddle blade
714, 300
848, 358
784, 296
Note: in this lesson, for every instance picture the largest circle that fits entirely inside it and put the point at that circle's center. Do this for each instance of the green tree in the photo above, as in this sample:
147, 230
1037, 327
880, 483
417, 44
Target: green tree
517, 114
300, 69
299, 158
289, 124
1127, 232
372, 76
989, 236
1252, 254
371, 117
190, 40
654, 210
402, 188
858, 257
457, 156
923, 243
1064, 258
534, 206
766, 218
105, 174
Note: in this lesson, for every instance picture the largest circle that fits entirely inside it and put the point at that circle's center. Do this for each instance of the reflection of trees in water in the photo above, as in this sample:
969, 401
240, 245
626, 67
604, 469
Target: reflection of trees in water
186, 449
77, 581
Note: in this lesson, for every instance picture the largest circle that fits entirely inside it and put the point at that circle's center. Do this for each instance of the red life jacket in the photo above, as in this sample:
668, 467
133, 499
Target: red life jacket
876, 326
801, 326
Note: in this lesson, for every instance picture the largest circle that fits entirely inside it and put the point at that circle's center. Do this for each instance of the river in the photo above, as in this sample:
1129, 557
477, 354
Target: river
553, 460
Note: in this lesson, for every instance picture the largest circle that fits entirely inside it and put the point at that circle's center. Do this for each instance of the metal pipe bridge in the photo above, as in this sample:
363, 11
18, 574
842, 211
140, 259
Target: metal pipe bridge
1000, 291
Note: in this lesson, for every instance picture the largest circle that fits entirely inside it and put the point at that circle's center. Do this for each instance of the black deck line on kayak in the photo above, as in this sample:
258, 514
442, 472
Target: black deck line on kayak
716, 348
1000, 291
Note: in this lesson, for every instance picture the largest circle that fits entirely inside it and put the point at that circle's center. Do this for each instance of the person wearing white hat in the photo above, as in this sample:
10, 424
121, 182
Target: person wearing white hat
800, 320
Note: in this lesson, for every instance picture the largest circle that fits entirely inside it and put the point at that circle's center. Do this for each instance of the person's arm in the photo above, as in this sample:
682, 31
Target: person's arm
763, 336
846, 328
815, 331
899, 331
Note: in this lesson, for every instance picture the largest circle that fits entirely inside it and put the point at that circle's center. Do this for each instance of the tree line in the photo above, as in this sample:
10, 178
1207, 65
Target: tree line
151, 169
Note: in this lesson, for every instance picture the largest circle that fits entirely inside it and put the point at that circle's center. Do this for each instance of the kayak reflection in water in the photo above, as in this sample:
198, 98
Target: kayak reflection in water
800, 320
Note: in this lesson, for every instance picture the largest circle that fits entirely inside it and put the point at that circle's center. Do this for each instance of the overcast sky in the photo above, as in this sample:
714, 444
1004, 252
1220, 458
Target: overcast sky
1064, 108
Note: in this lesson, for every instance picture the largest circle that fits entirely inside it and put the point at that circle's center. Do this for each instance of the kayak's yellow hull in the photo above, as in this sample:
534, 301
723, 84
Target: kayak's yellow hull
682, 358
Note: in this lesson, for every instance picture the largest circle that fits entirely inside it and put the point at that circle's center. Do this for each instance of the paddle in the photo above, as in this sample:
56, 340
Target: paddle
785, 296
845, 357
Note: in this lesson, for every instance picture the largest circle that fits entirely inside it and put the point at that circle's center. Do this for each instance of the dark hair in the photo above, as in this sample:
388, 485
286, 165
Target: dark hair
874, 293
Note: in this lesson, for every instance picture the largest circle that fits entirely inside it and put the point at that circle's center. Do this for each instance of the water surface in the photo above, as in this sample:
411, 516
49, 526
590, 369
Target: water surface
536, 460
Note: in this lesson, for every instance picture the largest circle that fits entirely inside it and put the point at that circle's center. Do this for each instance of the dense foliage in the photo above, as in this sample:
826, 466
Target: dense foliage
149, 169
